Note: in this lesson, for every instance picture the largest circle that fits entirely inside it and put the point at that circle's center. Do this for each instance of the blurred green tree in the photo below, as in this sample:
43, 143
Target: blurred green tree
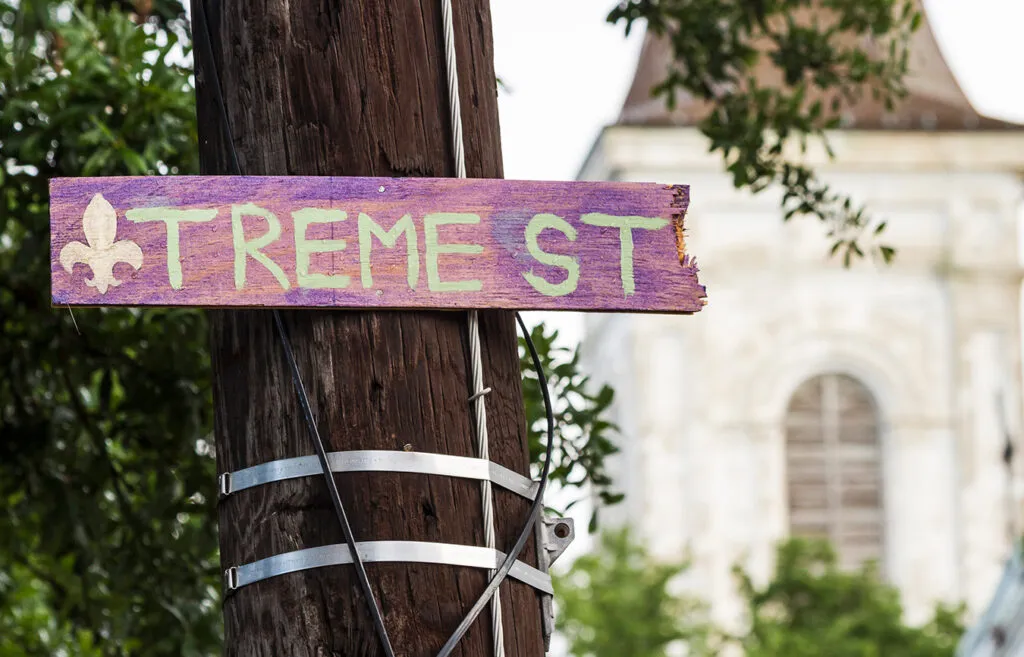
776, 74
108, 540
619, 601
811, 607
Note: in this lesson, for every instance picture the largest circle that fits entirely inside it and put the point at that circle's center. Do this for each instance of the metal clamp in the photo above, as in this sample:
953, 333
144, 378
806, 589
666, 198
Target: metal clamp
449, 554
230, 579
553, 536
379, 461
558, 533
224, 484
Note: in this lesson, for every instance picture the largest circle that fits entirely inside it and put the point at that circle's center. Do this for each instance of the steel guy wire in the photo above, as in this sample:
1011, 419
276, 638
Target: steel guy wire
535, 508
475, 357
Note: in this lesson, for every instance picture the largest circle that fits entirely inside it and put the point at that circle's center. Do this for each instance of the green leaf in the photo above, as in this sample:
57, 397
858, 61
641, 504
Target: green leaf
92, 480
831, 61
582, 440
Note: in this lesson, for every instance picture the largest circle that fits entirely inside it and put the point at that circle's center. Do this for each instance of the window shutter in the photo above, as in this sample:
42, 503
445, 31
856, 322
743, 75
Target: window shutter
834, 467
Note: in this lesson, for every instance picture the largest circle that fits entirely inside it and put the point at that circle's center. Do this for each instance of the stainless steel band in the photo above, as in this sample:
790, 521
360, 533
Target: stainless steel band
379, 461
377, 551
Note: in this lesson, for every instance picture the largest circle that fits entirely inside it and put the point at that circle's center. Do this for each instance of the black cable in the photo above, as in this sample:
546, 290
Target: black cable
206, 45
535, 508
339, 509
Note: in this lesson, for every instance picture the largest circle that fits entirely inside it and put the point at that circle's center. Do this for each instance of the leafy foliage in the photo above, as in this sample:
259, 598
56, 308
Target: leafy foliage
107, 532
583, 437
28, 624
813, 608
618, 601
773, 77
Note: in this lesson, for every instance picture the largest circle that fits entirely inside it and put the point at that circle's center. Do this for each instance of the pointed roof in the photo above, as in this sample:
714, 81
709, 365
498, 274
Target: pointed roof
934, 100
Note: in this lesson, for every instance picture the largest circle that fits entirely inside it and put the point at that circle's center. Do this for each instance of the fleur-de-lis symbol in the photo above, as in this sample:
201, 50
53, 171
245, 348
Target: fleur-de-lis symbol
102, 252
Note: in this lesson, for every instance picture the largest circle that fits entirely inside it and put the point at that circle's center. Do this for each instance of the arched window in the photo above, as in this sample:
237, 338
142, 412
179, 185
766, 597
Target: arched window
834, 467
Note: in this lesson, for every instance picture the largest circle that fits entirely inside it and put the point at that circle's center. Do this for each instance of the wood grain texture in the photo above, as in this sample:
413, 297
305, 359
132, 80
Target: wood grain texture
596, 267
357, 88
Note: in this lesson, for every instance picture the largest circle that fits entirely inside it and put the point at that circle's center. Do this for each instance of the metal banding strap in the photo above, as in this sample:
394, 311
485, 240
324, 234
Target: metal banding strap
379, 461
380, 551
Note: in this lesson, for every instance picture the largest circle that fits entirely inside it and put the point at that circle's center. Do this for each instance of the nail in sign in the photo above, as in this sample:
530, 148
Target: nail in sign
220, 241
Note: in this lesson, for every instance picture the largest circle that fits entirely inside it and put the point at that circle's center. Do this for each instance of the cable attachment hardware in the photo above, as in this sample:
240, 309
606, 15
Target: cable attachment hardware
224, 484
230, 580
558, 534
553, 536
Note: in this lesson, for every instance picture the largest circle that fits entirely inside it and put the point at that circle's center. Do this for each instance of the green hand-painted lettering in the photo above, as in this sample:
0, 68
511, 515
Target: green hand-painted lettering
570, 264
626, 225
431, 222
251, 248
389, 238
173, 217
305, 248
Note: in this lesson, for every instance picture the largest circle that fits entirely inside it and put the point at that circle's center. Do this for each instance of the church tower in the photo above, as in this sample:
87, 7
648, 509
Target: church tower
868, 405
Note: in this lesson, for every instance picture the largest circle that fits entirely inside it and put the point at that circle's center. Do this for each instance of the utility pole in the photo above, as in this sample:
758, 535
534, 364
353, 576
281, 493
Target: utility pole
357, 88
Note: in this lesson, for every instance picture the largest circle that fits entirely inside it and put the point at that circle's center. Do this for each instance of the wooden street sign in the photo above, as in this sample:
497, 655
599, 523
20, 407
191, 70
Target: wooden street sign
371, 243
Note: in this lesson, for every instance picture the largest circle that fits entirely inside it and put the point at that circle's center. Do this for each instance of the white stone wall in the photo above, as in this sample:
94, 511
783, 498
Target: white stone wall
935, 337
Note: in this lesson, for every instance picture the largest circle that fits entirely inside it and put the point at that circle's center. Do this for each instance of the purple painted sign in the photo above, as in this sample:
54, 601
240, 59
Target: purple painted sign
371, 243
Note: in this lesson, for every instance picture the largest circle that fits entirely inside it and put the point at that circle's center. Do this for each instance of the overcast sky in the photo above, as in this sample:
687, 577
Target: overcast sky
568, 71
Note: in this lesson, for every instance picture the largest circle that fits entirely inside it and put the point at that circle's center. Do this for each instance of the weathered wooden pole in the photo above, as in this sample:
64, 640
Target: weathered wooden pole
358, 88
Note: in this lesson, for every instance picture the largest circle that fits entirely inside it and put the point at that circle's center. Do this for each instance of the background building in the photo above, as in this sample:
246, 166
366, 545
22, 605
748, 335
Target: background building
870, 405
